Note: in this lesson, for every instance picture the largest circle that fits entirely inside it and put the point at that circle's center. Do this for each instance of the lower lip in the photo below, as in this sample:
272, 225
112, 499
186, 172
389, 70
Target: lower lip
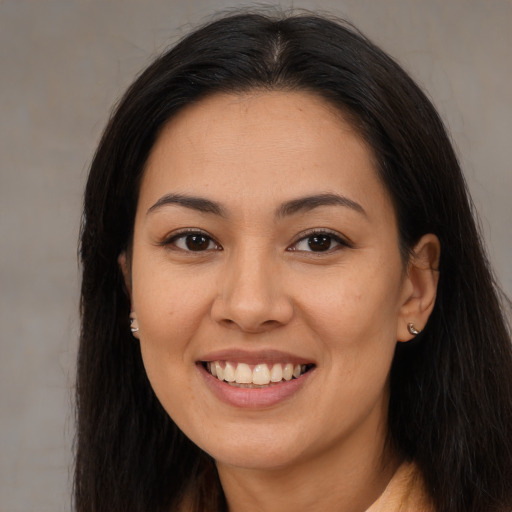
253, 397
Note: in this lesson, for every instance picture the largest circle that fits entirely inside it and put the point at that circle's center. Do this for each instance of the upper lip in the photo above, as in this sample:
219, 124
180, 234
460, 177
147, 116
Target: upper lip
270, 356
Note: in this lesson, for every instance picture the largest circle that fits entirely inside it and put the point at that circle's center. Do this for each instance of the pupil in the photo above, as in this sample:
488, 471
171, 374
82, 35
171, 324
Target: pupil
319, 242
197, 242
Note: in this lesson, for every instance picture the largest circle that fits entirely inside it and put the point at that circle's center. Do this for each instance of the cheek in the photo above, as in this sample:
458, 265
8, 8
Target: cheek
170, 304
169, 313
171, 384
170, 310
354, 315
351, 302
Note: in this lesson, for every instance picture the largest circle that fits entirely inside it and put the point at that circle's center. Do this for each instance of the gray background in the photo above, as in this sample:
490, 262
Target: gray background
64, 63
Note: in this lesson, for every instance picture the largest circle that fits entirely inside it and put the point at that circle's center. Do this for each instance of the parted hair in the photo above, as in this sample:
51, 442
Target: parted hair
450, 405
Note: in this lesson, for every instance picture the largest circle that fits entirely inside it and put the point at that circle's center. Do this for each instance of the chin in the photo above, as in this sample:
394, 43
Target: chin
263, 460
262, 452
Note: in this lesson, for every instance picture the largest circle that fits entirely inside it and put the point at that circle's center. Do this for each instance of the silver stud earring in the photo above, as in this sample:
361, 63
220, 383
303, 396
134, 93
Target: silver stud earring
133, 323
412, 329
132, 328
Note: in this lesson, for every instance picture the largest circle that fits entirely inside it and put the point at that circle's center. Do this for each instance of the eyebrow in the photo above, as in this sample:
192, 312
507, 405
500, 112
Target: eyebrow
299, 205
307, 203
200, 204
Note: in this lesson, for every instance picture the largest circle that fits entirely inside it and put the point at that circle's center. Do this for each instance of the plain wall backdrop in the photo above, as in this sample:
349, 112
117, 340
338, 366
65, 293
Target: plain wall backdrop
63, 64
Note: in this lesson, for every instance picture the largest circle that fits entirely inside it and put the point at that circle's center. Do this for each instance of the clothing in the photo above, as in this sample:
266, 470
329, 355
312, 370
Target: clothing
405, 492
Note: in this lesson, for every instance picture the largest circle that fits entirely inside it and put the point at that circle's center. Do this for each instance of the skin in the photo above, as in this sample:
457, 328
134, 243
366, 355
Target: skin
258, 286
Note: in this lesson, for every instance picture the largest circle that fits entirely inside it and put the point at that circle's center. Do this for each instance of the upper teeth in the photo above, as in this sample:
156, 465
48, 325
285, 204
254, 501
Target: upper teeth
260, 374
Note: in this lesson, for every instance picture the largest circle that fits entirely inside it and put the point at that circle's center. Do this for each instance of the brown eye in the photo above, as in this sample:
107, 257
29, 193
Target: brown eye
193, 242
197, 242
319, 243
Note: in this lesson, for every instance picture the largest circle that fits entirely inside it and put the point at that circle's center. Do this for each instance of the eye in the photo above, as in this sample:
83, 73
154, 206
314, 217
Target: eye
193, 241
319, 241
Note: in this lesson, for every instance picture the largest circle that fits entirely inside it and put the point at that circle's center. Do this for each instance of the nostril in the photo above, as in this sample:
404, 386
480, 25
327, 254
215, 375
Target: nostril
251, 312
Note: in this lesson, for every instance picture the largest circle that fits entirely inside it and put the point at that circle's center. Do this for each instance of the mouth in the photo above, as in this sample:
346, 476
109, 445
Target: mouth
255, 376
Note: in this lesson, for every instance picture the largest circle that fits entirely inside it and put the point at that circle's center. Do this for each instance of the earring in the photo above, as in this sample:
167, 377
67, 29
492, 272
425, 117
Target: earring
412, 329
133, 323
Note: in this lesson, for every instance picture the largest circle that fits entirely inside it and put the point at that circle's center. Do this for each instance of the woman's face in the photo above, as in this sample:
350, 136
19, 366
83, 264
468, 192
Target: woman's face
266, 249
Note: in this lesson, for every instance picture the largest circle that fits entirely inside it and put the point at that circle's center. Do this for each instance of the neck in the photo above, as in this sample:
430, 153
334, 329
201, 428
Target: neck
354, 473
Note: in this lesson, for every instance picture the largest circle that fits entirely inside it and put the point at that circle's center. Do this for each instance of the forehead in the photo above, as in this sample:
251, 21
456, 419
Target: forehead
261, 146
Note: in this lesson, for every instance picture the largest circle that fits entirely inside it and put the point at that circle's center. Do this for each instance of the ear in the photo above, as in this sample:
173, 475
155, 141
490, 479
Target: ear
420, 286
124, 265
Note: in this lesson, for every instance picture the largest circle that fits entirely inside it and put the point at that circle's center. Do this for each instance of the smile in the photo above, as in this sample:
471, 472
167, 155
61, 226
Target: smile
255, 375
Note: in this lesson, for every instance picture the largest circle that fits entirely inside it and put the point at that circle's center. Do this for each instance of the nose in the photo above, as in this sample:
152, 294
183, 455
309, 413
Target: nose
251, 294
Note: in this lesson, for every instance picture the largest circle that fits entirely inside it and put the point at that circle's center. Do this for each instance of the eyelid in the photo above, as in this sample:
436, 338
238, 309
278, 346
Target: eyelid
175, 235
338, 237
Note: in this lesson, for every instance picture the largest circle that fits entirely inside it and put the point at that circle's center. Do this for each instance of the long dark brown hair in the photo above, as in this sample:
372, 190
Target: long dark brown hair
451, 389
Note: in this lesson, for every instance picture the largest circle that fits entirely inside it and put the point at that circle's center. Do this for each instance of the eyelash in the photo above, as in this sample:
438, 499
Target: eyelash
332, 235
303, 237
171, 240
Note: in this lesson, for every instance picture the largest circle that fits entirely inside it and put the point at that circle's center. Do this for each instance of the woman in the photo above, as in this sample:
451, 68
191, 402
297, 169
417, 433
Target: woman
285, 300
